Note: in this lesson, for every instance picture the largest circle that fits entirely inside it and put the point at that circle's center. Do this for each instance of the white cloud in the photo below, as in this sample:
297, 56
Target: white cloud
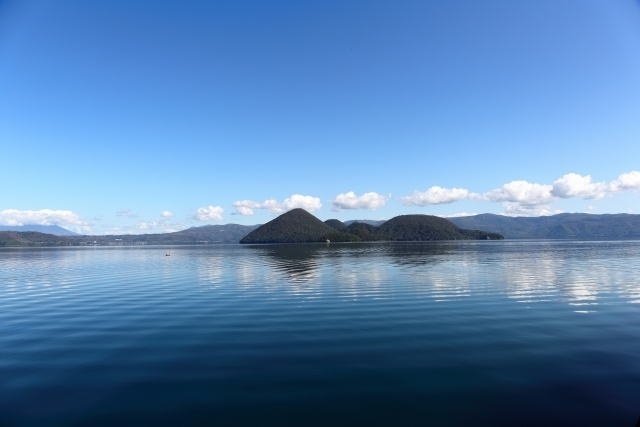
522, 198
522, 192
211, 213
114, 231
574, 185
246, 207
166, 214
308, 203
16, 217
127, 213
243, 210
458, 215
625, 182
521, 209
525, 198
164, 226
371, 201
437, 196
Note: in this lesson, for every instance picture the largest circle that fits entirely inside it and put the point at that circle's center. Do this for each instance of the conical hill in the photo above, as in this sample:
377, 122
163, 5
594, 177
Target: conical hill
336, 224
428, 227
295, 226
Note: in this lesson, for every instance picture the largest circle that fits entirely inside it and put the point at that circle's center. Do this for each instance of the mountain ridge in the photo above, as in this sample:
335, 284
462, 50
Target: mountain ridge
56, 230
560, 226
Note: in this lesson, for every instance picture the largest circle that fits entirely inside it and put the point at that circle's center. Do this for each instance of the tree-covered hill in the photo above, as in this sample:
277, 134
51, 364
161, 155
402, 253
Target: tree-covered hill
337, 224
299, 226
367, 232
32, 238
295, 226
427, 227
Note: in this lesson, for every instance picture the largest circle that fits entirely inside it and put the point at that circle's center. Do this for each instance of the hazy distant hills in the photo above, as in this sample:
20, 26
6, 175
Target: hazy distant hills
404, 227
56, 230
206, 234
561, 226
299, 226
228, 233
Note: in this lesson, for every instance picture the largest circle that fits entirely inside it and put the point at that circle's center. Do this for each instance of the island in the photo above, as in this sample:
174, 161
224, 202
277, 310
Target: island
299, 226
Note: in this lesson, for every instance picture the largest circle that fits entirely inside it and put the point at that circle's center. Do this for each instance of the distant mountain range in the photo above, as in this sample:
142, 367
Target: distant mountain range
299, 226
206, 234
33, 238
561, 226
56, 230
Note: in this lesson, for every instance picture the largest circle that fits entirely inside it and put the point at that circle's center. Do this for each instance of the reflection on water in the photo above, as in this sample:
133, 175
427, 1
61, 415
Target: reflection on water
339, 334
296, 263
210, 269
578, 273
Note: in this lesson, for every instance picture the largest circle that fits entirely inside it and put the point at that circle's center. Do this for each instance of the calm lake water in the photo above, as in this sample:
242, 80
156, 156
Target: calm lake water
509, 333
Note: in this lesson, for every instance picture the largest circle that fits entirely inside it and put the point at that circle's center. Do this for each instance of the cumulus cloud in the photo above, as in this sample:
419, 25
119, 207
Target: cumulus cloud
574, 185
246, 207
166, 214
522, 198
626, 182
371, 201
437, 196
308, 203
525, 198
211, 213
521, 209
458, 215
164, 226
127, 213
16, 217
521, 192
113, 231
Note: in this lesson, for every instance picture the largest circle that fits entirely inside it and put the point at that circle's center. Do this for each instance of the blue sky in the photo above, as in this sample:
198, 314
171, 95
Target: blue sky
113, 113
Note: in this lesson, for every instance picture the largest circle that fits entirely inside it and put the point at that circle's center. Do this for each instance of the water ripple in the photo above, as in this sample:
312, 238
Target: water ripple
109, 335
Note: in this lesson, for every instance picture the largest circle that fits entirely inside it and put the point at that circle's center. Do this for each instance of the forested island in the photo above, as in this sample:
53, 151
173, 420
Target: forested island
299, 226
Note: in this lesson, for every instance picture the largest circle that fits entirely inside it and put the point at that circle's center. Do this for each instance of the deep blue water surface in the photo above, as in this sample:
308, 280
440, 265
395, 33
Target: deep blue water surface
522, 333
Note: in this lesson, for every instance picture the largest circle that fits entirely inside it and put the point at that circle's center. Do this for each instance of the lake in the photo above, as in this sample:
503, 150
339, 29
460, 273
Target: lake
497, 333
